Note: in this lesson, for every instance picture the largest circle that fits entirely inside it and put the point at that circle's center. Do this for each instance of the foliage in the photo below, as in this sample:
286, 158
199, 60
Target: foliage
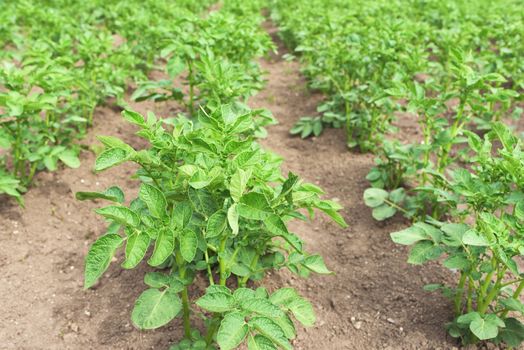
211, 200
354, 51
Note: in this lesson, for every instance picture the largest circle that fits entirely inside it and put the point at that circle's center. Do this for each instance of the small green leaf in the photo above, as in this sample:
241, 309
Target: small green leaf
154, 199
471, 237
260, 342
261, 306
423, 251
164, 246
110, 158
69, 158
232, 219
383, 212
113, 194
316, 264
216, 302
487, 327
188, 244
155, 308
181, 215
271, 330
238, 184
134, 117
216, 224
233, 330
254, 206
303, 311
122, 215
374, 197
283, 296
136, 248
99, 257
513, 334
409, 236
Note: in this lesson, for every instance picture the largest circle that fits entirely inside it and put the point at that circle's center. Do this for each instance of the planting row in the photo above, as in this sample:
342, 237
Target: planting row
213, 206
60, 60
456, 67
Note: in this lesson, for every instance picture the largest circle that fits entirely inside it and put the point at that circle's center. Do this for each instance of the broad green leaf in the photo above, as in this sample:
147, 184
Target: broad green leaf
238, 183
487, 327
254, 206
202, 201
275, 225
99, 257
232, 219
316, 264
157, 280
471, 237
374, 197
303, 311
216, 224
271, 330
188, 244
134, 117
287, 326
409, 236
164, 246
122, 215
260, 342
114, 142
283, 296
216, 302
154, 199
243, 294
199, 179
110, 158
136, 248
383, 212
155, 308
232, 332
261, 306
114, 194
181, 215
453, 234
513, 305
513, 333
423, 251
69, 158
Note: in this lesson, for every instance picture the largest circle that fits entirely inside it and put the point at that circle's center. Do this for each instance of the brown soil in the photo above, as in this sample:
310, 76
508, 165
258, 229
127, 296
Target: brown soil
375, 300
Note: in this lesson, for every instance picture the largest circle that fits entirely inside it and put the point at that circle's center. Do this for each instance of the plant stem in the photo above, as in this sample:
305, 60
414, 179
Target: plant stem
185, 297
460, 293
221, 262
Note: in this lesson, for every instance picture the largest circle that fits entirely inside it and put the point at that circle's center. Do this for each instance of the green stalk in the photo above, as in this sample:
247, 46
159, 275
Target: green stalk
460, 293
487, 281
185, 296
209, 272
493, 293
191, 88
470, 295
221, 262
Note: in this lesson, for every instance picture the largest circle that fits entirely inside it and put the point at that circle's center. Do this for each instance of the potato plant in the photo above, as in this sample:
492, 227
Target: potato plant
212, 204
214, 57
484, 250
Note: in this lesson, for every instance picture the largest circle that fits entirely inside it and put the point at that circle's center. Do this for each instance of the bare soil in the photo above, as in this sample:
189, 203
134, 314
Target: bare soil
374, 301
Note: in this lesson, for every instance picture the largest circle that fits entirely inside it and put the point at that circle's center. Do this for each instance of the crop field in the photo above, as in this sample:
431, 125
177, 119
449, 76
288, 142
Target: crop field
262, 174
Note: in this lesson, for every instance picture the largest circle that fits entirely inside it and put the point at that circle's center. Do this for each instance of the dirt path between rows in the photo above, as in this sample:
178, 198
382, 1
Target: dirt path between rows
375, 300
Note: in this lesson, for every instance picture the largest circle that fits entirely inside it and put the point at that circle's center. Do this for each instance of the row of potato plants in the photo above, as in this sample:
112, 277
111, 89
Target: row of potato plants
58, 61
461, 185
354, 51
213, 206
